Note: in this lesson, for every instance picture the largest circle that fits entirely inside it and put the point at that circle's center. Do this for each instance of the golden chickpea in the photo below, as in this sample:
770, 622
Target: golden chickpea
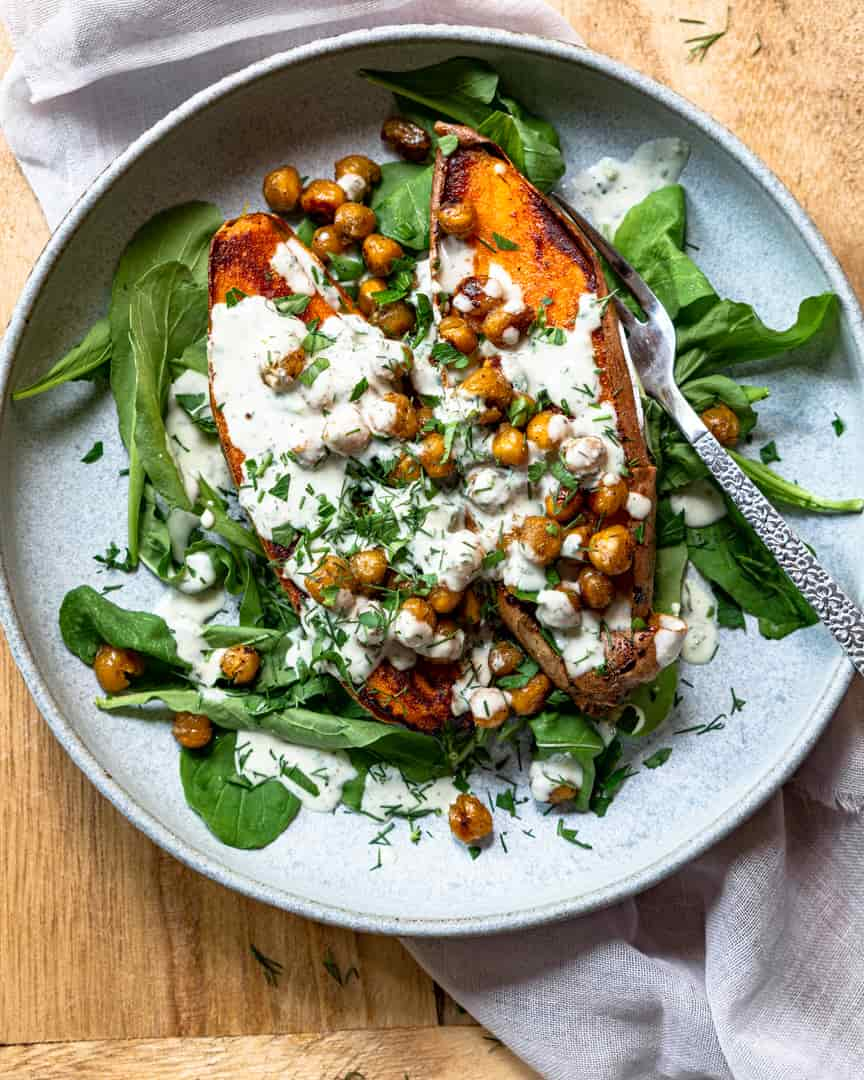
424, 415
406, 470
509, 446
611, 550
421, 610
489, 709
408, 139
359, 165
471, 611
491, 384
595, 589
326, 241
432, 451
192, 730
723, 424
354, 221
522, 409
607, 499
331, 573
405, 424
503, 328
321, 199
458, 219
282, 189
394, 320
113, 667
546, 430
379, 254
444, 600
366, 294
504, 658
470, 820
562, 793
530, 698
369, 568
542, 537
564, 505
458, 333
240, 664
475, 300
280, 374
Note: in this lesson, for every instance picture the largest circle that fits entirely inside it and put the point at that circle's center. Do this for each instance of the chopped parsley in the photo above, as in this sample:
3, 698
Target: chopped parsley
658, 758
309, 374
295, 304
94, 453
233, 297
838, 424
768, 453
360, 389
503, 244
570, 835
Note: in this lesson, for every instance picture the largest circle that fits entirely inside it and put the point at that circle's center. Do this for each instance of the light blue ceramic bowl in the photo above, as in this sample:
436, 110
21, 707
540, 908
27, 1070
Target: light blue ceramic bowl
307, 106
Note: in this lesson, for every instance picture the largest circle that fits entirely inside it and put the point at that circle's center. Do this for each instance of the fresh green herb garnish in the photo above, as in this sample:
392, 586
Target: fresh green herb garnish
768, 453
360, 389
658, 758
272, 968
295, 304
309, 374
838, 424
94, 453
503, 244
570, 835
234, 296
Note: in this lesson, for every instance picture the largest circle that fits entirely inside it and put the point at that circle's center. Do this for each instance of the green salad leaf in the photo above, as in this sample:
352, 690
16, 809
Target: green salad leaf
87, 619
401, 202
238, 812
88, 360
224, 525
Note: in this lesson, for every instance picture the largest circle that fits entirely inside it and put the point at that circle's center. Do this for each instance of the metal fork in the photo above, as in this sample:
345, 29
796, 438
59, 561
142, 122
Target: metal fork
652, 347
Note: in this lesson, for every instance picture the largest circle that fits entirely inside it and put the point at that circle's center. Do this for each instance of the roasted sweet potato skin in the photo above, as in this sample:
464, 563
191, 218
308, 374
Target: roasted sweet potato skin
550, 259
240, 255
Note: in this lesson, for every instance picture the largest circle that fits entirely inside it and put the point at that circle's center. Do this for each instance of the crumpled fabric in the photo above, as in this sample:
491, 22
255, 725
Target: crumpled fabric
748, 963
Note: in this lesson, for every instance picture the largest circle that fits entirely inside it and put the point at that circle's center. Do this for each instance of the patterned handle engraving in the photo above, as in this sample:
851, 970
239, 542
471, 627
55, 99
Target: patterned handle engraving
832, 605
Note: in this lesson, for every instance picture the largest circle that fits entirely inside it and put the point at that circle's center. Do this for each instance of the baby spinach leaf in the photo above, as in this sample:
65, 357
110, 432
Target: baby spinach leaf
647, 707
193, 358
222, 637
401, 202
778, 490
668, 575
565, 733
224, 525
87, 620
729, 613
707, 391
540, 161
87, 360
461, 88
239, 813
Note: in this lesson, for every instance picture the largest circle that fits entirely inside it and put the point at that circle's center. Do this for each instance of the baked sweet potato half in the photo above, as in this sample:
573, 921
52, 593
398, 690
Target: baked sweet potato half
244, 264
494, 233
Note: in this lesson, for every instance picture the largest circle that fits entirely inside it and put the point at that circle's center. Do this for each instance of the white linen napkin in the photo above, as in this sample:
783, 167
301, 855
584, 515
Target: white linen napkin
749, 963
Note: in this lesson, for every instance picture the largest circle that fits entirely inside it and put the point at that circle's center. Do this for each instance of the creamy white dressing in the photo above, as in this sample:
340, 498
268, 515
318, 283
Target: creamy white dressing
701, 502
582, 648
638, 505
260, 756
195, 452
699, 611
605, 191
455, 262
387, 791
558, 770
200, 573
186, 616
668, 639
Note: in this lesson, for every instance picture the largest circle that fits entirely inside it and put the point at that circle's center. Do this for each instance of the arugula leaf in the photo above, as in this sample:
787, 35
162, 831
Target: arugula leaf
226, 526
239, 813
401, 202
88, 360
779, 490
87, 620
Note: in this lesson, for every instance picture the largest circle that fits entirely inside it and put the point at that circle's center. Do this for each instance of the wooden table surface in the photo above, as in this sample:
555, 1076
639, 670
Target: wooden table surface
115, 960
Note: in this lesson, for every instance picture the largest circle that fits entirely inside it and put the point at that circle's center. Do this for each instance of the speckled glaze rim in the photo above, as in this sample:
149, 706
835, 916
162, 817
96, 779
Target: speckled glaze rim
460, 37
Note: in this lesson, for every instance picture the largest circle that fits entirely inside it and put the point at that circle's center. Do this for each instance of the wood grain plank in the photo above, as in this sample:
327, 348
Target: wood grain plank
416, 1054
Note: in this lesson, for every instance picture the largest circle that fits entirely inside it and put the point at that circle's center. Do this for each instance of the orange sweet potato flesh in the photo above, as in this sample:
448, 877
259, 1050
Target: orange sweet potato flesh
240, 255
552, 260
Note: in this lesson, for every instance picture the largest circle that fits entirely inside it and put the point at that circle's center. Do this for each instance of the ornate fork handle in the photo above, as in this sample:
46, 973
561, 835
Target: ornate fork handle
842, 617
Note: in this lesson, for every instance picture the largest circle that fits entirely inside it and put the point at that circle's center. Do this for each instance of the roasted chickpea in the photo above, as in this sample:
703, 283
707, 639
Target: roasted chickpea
192, 730
458, 219
420, 609
369, 568
547, 430
470, 820
327, 241
489, 707
509, 446
424, 415
366, 294
530, 698
321, 199
404, 424
379, 254
723, 424
491, 384
564, 505
280, 374
407, 139
444, 600
394, 320
541, 538
282, 189
432, 456
331, 573
470, 611
521, 409
607, 499
611, 550
562, 793
504, 658
595, 589
458, 333
406, 470
240, 664
476, 297
354, 221
504, 328
114, 666
359, 165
